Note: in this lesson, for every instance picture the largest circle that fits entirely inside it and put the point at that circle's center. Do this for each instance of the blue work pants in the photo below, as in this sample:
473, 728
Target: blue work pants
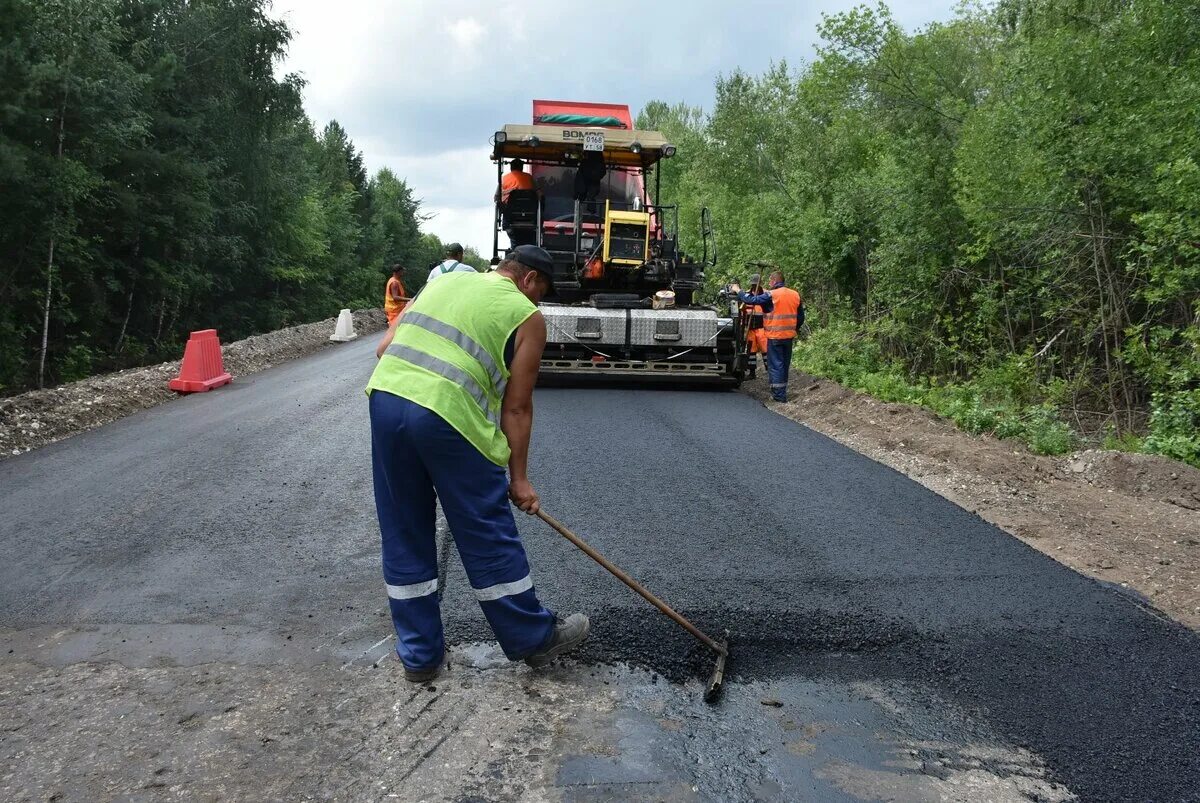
417, 458
779, 359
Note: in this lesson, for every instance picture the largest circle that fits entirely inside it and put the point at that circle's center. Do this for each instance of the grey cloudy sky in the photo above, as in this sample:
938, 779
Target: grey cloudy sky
421, 85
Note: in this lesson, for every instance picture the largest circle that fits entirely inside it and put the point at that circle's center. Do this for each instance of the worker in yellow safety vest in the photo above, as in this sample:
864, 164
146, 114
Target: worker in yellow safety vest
783, 315
451, 405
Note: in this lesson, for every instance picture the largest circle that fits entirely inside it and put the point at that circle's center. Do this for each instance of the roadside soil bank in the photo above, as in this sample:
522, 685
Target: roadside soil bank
1129, 520
39, 417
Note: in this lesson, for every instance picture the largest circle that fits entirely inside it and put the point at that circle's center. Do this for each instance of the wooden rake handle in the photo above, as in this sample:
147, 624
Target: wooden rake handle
634, 584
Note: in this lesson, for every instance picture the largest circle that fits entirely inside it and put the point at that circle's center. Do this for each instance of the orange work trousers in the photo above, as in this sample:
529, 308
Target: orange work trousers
756, 341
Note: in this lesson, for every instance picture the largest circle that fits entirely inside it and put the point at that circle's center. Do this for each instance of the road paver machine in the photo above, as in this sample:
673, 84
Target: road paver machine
624, 299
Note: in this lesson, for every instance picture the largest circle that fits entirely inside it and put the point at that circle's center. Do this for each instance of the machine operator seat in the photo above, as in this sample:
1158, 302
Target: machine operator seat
519, 217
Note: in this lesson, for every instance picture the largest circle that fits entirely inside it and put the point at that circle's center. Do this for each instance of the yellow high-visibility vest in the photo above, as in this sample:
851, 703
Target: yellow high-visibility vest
448, 354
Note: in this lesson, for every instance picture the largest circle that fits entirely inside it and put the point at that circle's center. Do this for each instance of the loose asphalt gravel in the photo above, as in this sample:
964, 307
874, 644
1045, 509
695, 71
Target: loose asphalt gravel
237, 526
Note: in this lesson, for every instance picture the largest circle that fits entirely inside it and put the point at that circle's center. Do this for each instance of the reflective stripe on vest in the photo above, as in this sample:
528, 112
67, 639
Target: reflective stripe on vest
781, 322
461, 340
451, 372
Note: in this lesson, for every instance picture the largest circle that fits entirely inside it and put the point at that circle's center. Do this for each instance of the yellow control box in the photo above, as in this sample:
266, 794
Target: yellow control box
626, 237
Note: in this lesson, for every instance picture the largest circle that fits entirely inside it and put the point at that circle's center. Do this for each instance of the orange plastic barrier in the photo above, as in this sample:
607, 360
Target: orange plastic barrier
202, 369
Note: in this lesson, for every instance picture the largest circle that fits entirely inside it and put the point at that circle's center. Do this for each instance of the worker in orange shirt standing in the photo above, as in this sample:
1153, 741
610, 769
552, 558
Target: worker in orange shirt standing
752, 323
394, 299
515, 179
783, 316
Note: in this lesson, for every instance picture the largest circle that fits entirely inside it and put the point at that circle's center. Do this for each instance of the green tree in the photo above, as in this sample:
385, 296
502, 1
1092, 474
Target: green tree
996, 213
159, 176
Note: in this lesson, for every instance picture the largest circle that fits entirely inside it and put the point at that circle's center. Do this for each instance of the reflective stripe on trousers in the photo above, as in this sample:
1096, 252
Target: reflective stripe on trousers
418, 460
503, 589
779, 358
413, 590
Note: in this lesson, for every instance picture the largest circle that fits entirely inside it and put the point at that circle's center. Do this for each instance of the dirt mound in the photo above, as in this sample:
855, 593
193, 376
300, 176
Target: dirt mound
40, 417
1145, 476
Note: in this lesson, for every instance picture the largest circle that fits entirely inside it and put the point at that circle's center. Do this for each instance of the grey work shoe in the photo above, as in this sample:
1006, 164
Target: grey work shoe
420, 675
568, 634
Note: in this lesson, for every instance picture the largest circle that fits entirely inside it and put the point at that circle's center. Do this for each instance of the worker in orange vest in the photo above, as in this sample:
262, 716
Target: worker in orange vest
515, 179
752, 324
394, 299
783, 315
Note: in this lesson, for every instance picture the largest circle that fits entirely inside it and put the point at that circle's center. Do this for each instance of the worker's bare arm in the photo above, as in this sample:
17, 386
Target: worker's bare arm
516, 412
388, 335
391, 331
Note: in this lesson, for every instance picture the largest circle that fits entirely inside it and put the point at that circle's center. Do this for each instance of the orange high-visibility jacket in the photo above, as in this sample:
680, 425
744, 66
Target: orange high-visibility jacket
753, 314
782, 321
391, 305
514, 181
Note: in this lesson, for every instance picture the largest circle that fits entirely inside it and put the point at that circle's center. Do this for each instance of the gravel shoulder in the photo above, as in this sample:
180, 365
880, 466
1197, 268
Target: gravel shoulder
1130, 520
496, 732
34, 419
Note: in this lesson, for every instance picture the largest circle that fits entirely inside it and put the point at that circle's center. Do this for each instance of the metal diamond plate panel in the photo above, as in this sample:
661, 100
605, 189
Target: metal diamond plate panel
671, 327
584, 325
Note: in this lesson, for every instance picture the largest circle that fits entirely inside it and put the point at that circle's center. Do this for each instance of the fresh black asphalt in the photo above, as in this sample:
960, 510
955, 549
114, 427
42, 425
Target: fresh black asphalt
250, 509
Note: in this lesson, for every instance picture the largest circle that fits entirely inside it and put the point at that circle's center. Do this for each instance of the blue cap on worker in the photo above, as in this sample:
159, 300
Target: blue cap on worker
536, 258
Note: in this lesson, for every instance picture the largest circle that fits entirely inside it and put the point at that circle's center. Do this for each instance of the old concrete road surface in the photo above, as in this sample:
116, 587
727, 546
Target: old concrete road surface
192, 608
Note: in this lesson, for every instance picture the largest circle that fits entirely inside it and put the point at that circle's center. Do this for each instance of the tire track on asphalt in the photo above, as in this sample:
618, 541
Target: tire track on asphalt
350, 769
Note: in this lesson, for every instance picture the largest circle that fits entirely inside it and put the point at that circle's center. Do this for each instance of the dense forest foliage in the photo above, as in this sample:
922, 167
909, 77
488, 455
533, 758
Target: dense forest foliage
998, 217
156, 176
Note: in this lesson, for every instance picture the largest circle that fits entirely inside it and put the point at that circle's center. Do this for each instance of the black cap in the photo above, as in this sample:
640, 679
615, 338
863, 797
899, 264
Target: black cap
516, 164
454, 248
536, 258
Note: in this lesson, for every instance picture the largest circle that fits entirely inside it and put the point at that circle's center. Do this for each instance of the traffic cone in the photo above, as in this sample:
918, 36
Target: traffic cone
203, 368
344, 331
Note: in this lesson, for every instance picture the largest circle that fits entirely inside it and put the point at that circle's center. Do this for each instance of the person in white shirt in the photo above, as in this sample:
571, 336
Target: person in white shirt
452, 263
